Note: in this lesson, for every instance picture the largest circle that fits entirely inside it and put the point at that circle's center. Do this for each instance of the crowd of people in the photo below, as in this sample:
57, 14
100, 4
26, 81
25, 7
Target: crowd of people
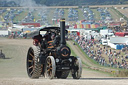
103, 55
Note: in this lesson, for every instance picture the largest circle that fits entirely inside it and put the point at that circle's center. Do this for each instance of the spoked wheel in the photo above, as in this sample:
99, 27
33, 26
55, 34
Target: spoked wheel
77, 70
62, 74
33, 66
50, 67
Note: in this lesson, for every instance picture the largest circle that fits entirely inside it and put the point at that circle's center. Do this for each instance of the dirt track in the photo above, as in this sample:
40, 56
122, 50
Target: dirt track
13, 69
88, 81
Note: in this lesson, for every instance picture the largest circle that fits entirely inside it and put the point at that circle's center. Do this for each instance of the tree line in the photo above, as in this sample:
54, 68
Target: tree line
67, 2
80, 2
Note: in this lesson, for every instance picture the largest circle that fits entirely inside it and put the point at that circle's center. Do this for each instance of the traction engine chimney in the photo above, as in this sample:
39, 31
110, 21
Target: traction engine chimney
62, 31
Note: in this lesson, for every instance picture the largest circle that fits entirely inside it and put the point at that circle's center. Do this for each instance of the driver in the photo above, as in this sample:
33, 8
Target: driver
47, 36
53, 36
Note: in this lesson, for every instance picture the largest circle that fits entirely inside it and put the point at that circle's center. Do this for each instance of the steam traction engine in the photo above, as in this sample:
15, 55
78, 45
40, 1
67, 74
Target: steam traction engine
50, 57
2, 55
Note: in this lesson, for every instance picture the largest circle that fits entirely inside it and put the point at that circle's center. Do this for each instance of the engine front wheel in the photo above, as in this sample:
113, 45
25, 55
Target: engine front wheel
50, 67
62, 74
77, 70
33, 66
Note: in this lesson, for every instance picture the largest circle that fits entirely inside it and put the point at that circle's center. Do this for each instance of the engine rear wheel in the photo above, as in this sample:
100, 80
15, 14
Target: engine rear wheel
50, 67
33, 66
77, 70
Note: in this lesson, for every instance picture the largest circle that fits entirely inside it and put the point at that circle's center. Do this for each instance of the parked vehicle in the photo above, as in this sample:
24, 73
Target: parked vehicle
104, 42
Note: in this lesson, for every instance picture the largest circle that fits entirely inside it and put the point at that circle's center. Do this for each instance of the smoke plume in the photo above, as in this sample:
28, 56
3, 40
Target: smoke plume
24, 3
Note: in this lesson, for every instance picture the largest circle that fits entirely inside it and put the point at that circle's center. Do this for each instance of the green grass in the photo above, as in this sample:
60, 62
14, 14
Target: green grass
21, 16
50, 15
120, 14
123, 73
3, 14
80, 14
66, 14
36, 16
115, 13
96, 14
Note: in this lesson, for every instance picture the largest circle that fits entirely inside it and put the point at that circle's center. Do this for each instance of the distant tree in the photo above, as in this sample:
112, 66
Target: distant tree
123, 1
8, 4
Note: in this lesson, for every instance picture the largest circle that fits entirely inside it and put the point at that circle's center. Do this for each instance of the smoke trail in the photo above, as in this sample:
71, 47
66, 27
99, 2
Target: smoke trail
28, 3
24, 3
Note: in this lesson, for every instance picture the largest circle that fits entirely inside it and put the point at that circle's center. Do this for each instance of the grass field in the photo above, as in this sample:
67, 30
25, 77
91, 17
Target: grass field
80, 14
2, 15
36, 15
66, 14
21, 16
114, 14
50, 15
96, 14
123, 11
